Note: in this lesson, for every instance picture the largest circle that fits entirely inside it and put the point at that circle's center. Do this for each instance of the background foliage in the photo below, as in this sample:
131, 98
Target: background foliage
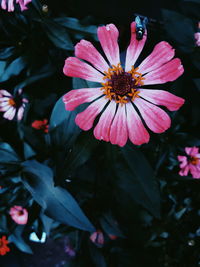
72, 184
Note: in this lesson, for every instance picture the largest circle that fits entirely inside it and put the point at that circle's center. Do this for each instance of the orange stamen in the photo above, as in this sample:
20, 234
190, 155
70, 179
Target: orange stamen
106, 87
11, 102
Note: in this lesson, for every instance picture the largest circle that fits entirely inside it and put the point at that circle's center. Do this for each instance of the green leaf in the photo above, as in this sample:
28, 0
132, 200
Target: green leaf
56, 201
13, 68
81, 151
57, 34
75, 25
110, 225
137, 179
17, 239
7, 52
7, 153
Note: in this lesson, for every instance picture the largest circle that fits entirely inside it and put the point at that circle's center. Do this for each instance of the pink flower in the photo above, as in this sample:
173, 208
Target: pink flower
9, 4
121, 94
41, 125
190, 163
12, 106
97, 238
197, 38
19, 214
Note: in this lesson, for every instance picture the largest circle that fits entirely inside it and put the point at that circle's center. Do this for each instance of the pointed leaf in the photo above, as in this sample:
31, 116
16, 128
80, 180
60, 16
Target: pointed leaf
56, 201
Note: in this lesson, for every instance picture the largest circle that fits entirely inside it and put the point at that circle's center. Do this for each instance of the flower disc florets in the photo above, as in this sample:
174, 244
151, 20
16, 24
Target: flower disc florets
122, 86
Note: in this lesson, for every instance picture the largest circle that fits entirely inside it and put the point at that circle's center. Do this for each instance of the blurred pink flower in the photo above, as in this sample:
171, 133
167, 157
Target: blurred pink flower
190, 163
9, 4
97, 238
121, 94
12, 106
19, 214
197, 38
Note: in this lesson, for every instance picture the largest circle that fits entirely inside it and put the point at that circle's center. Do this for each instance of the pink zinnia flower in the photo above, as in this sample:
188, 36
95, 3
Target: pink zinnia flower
197, 38
9, 4
11, 105
19, 214
97, 238
121, 94
41, 125
190, 163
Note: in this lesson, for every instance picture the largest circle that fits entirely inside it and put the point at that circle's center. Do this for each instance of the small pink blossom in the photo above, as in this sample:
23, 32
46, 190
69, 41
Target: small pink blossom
97, 238
9, 4
12, 106
19, 214
121, 97
190, 162
197, 38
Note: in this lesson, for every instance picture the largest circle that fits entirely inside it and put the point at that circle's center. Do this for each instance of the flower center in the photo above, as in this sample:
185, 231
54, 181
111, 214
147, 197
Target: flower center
11, 102
122, 83
194, 160
20, 213
122, 86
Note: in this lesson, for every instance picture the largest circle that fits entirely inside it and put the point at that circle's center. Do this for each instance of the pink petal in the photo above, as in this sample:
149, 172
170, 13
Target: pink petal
4, 93
86, 118
20, 113
183, 161
85, 50
195, 171
192, 151
118, 130
4, 100
108, 37
197, 38
74, 98
3, 4
136, 130
10, 5
163, 98
24, 100
155, 118
135, 48
166, 73
184, 171
161, 54
4, 107
93, 237
10, 113
76, 68
102, 129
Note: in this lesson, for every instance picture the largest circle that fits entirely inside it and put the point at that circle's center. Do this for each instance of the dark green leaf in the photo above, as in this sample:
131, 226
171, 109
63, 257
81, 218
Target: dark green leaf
138, 180
75, 24
5, 53
14, 68
56, 201
57, 34
17, 239
7, 154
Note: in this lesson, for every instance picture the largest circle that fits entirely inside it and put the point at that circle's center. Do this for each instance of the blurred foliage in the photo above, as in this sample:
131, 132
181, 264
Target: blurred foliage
72, 184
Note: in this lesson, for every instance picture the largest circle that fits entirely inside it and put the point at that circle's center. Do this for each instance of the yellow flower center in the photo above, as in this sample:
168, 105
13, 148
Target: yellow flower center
122, 86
